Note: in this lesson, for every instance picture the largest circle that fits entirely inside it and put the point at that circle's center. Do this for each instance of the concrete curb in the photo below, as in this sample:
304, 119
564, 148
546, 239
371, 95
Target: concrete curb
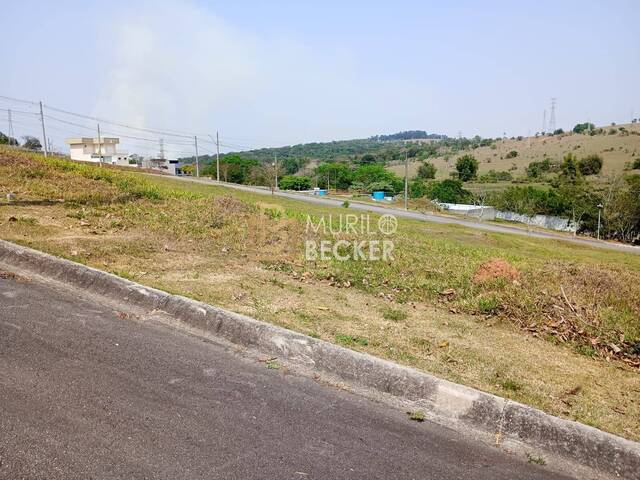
447, 403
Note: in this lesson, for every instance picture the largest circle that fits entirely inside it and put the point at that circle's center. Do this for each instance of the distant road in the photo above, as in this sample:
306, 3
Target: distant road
354, 205
88, 392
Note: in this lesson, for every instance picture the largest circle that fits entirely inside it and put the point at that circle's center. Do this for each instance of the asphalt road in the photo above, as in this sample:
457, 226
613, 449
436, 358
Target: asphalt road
381, 210
87, 393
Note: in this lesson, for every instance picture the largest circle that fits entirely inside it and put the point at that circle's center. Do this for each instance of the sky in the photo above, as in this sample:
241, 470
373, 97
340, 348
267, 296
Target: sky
272, 73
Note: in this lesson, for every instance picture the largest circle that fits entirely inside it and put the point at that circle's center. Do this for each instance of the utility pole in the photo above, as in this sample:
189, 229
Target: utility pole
44, 133
406, 181
195, 141
217, 157
275, 165
99, 146
600, 206
162, 148
11, 134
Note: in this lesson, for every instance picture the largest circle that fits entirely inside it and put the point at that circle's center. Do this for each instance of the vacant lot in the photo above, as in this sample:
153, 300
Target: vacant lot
546, 323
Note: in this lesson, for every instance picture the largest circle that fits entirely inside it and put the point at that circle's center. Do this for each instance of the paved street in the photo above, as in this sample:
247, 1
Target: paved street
433, 218
87, 393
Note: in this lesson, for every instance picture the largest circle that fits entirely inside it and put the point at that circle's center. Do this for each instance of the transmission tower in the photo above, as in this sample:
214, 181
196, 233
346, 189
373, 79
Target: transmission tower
552, 116
162, 148
544, 122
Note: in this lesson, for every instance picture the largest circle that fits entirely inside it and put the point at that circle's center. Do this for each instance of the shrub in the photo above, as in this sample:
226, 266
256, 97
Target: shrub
32, 143
427, 171
583, 127
382, 186
292, 182
636, 164
492, 177
6, 140
512, 154
417, 189
467, 167
590, 165
569, 170
449, 191
528, 200
538, 169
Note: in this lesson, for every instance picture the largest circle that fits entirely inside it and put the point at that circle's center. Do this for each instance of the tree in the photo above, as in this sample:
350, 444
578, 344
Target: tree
233, 168
291, 165
367, 159
583, 127
336, 174
417, 189
31, 143
7, 140
427, 171
292, 182
264, 175
538, 169
569, 170
590, 165
368, 174
467, 167
448, 191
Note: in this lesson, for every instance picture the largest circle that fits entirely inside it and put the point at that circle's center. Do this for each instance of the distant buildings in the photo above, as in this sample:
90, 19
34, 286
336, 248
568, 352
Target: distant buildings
171, 167
90, 150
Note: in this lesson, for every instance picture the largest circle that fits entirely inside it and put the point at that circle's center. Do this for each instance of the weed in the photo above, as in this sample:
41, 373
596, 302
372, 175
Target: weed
531, 458
276, 282
393, 314
510, 384
416, 416
351, 340
586, 350
273, 365
29, 221
489, 305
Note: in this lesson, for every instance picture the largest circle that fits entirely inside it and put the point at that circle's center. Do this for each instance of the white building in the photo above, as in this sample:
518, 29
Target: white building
171, 167
90, 150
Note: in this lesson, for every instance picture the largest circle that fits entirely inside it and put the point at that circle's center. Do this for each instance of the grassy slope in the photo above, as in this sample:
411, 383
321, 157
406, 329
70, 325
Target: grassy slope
242, 251
615, 150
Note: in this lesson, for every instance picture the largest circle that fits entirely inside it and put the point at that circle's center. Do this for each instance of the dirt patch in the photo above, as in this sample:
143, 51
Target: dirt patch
496, 269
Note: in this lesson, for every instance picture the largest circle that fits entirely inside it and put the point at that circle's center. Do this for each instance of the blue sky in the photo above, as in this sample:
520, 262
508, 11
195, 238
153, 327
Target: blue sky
277, 73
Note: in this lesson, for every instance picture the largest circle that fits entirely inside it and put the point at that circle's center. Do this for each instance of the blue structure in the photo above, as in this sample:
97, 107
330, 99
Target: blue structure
378, 195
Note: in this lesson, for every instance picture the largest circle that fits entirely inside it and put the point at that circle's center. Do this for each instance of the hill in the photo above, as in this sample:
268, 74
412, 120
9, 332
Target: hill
617, 145
383, 148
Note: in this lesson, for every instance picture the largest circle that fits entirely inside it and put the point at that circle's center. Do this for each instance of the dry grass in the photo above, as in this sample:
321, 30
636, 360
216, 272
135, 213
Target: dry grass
616, 150
517, 337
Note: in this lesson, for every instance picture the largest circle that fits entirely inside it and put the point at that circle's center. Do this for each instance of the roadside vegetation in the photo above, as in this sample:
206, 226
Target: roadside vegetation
546, 323
581, 175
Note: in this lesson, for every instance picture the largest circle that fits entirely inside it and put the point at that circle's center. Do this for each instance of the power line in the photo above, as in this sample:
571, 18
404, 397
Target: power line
176, 134
152, 140
19, 100
148, 130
